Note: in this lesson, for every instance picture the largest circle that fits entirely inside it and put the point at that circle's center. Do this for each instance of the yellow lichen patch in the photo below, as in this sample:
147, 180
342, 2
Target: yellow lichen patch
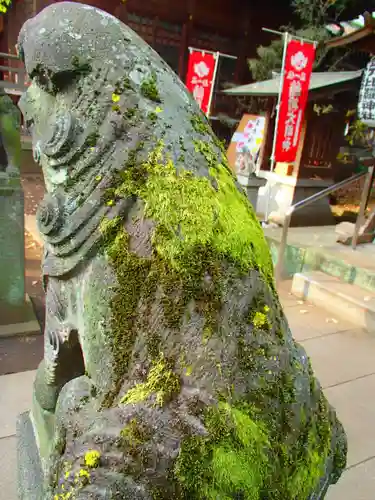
92, 459
260, 319
84, 476
161, 381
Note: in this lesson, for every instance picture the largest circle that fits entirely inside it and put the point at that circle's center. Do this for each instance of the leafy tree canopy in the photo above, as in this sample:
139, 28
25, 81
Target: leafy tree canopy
312, 18
4, 6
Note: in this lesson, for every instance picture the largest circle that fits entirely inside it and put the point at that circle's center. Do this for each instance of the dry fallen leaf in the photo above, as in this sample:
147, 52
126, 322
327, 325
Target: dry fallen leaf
28, 340
331, 320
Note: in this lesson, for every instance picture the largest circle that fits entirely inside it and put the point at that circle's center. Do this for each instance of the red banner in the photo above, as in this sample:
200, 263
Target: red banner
297, 73
200, 77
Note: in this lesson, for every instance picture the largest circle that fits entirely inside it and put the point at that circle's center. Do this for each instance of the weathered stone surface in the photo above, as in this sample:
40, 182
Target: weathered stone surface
169, 370
30, 477
10, 137
12, 288
12, 259
366, 233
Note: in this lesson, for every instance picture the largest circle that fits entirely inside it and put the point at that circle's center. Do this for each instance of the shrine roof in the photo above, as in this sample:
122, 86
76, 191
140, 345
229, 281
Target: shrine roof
269, 88
356, 32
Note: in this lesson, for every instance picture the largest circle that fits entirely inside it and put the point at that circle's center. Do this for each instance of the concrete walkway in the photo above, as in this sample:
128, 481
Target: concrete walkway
343, 359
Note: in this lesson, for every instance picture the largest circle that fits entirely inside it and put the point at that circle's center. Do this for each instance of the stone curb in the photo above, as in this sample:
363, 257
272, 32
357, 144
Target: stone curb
18, 329
31, 327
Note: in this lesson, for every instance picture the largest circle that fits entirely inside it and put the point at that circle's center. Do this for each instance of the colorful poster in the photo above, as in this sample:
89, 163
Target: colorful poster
244, 149
200, 76
297, 74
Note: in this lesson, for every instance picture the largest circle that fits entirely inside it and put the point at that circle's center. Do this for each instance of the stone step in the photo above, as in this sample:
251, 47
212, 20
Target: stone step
333, 260
346, 301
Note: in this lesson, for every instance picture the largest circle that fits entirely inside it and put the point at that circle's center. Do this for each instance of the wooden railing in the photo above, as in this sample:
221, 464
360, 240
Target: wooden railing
13, 79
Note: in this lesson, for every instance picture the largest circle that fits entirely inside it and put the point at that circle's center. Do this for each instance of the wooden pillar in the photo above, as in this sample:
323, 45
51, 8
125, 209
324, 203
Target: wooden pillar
155, 25
187, 30
121, 12
244, 45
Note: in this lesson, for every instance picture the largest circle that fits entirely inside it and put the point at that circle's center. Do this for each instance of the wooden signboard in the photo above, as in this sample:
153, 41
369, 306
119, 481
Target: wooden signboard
366, 102
245, 148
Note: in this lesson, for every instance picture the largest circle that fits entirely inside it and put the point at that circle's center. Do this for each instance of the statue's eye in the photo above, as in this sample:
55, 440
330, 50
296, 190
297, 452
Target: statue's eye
43, 81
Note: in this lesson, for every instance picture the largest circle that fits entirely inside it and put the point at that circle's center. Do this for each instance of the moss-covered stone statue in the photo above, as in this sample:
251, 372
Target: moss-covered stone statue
169, 370
10, 138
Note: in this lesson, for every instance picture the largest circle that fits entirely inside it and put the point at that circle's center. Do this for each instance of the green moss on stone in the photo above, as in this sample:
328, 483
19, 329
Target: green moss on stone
131, 274
190, 213
197, 227
200, 124
161, 382
134, 434
123, 85
92, 139
230, 461
130, 113
149, 89
241, 456
152, 116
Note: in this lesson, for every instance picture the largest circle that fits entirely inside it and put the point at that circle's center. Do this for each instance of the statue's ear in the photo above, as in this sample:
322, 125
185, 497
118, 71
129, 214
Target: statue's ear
61, 133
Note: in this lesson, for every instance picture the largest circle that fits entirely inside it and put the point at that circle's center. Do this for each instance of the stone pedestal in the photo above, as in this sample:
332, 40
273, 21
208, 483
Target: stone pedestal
30, 476
16, 311
252, 185
286, 191
12, 241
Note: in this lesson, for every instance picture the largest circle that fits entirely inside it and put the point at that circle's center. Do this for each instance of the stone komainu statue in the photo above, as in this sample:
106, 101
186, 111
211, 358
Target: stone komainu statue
169, 369
10, 139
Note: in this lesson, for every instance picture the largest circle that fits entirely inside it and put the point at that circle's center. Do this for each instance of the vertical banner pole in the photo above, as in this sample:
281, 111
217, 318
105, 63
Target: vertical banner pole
273, 161
217, 55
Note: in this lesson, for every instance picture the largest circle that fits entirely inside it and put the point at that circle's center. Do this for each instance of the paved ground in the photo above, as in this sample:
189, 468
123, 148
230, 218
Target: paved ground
343, 359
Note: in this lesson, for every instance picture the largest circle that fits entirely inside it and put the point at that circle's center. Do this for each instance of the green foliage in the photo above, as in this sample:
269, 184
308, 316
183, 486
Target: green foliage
4, 6
313, 16
269, 59
359, 135
318, 12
